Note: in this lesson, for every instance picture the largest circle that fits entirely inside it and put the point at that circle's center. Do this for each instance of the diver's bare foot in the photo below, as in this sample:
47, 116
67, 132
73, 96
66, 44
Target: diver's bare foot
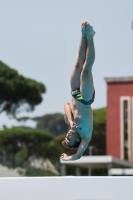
90, 31
83, 28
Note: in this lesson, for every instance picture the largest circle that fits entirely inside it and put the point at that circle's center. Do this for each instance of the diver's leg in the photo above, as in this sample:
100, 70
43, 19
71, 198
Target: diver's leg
75, 75
86, 78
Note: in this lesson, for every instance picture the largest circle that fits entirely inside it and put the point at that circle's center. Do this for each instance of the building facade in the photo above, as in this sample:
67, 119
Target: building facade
119, 125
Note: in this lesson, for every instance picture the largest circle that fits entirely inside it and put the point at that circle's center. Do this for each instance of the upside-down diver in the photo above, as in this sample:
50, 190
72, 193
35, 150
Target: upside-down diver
79, 114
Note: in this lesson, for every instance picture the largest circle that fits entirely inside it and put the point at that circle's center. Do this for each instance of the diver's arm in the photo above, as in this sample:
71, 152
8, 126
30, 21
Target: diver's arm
69, 116
68, 113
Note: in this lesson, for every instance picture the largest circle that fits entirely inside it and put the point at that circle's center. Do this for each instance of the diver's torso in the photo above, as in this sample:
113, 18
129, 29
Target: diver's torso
83, 117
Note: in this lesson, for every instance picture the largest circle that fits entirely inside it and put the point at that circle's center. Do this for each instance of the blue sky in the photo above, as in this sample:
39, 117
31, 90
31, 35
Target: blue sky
40, 40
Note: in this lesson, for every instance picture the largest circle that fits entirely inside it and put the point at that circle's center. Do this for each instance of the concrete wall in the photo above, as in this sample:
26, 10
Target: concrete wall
66, 188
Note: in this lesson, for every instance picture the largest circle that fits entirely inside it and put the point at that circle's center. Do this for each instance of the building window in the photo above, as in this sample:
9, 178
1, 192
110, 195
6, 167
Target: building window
125, 124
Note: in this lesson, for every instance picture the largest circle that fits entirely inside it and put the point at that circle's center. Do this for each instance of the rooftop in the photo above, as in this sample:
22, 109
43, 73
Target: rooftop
119, 79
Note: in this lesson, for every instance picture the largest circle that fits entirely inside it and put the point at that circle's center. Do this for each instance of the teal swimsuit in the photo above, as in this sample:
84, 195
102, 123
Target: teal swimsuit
77, 95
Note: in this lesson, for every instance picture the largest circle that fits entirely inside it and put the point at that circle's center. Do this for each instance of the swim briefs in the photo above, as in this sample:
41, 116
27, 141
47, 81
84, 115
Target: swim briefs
77, 95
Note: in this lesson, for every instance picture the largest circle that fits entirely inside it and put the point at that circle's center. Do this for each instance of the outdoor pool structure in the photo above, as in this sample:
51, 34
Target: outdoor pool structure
64, 188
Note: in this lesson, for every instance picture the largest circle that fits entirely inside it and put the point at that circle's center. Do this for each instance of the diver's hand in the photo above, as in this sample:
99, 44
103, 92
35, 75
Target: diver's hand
73, 126
64, 156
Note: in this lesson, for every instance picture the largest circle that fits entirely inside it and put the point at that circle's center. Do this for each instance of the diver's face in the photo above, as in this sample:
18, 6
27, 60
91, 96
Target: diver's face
70, 138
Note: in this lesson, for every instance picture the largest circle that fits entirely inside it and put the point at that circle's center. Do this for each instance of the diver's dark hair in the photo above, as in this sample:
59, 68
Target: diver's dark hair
75, 146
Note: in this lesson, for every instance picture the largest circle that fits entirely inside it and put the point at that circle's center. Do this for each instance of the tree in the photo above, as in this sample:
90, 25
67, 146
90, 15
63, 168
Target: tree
54, 123
24, 143
98, 140
18, 92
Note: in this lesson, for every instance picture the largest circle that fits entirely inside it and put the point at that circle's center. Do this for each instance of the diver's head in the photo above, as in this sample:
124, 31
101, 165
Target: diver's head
72, 140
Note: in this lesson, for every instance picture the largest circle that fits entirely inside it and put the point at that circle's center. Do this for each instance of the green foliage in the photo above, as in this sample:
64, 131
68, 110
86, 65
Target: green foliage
18, 146
17, 91
31, 171
21, 155
20, 170
23, 119
54, 123
22, 143
98, 140
99, 116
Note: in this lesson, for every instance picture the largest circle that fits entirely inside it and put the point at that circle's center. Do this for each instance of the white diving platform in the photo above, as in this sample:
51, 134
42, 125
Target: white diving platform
66, 188
92, 162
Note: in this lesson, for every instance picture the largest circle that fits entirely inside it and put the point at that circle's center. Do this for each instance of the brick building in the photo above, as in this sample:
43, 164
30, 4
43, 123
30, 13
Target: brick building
119, 130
